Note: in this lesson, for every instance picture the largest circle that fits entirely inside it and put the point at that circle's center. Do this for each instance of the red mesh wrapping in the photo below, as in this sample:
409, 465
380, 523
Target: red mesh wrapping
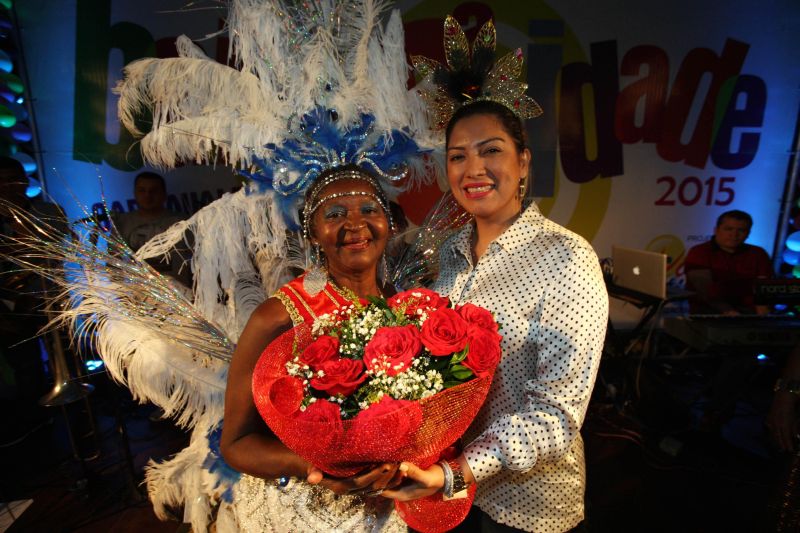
434, 515
417, 432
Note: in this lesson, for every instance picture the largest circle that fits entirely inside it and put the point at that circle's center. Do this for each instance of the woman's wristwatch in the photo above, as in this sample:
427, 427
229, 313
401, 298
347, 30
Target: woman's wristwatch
454, 485
787, 385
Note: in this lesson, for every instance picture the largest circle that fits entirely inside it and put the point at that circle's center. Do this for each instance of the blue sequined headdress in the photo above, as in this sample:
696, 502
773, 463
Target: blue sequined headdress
317, 142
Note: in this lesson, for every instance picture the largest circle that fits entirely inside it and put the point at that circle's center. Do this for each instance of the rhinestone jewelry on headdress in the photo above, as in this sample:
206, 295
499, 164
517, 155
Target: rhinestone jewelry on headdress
314, 201
472, 77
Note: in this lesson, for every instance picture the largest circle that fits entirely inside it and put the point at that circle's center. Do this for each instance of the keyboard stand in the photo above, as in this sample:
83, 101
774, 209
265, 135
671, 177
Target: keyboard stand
650, 305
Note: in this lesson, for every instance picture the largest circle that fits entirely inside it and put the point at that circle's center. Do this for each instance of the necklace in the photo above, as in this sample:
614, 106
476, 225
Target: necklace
349, 293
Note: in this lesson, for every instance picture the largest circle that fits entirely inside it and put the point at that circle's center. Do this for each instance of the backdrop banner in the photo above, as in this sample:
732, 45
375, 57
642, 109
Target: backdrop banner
657, 117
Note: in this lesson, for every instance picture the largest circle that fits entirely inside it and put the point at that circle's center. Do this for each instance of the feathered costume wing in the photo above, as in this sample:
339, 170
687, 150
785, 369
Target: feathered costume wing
314, 85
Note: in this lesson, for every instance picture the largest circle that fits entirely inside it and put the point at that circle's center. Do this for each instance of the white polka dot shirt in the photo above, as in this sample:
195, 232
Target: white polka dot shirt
545, 287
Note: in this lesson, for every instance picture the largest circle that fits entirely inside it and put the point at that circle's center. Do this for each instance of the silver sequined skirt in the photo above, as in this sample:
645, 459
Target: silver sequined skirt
260, 505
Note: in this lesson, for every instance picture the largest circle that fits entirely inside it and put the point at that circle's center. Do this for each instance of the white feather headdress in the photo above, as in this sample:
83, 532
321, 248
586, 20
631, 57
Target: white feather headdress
288, 61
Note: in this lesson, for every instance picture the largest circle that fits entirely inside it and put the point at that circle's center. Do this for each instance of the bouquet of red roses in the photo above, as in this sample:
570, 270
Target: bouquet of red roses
392, 380
385, 380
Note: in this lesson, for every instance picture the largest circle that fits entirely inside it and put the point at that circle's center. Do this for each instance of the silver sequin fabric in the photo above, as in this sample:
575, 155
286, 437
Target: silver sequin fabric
261, 506
545, 287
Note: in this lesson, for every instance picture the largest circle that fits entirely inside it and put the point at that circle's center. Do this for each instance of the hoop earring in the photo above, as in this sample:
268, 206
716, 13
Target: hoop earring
316, 277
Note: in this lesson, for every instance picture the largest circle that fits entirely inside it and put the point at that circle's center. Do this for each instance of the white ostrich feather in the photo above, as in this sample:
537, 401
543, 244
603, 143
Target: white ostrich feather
288, 60
149, 335
180, 482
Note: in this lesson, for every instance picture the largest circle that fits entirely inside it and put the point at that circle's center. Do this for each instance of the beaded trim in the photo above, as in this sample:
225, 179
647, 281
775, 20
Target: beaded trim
294, 314
302, 301
314, 201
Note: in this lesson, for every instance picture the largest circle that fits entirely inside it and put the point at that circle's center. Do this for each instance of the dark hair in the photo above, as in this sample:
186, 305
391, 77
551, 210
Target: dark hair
146, 175
736, 215
510, 122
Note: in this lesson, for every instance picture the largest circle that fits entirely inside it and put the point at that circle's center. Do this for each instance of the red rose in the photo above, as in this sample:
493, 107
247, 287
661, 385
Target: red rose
392, 349
386, 426
323, 349
414, 299
286, 394
484, 351
478, 316
444, 332
327, 422
339, 376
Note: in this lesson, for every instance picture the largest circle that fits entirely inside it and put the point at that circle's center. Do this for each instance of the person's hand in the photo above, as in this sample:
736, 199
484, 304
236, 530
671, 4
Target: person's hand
782, 420
418, 483
371, 482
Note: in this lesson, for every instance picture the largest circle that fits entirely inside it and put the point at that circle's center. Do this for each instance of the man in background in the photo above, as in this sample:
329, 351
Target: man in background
721, 272
149, 219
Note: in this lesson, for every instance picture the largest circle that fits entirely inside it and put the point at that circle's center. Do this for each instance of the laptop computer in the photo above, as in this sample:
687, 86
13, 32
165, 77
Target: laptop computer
640, 270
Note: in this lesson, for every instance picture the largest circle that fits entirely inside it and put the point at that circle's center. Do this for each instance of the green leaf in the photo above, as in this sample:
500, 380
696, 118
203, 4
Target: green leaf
460, 372
451, 384
459, 356
377, 301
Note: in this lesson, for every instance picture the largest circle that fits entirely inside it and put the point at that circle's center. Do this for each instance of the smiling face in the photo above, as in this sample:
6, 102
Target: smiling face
484, 168
351, 230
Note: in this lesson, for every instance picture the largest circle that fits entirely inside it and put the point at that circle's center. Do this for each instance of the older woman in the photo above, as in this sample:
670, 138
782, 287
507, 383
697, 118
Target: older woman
544, 285
348, 222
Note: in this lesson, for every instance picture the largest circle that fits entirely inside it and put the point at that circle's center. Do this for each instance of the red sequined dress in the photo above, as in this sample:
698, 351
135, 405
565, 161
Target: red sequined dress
302, 307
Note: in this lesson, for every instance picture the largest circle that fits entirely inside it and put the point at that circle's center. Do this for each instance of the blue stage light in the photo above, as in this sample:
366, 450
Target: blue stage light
791, 257
34, 188
762, 357
793, 241
93, 364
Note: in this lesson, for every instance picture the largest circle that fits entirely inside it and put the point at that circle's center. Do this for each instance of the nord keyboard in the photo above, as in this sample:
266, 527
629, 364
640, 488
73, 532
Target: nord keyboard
703, 332
777, 291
